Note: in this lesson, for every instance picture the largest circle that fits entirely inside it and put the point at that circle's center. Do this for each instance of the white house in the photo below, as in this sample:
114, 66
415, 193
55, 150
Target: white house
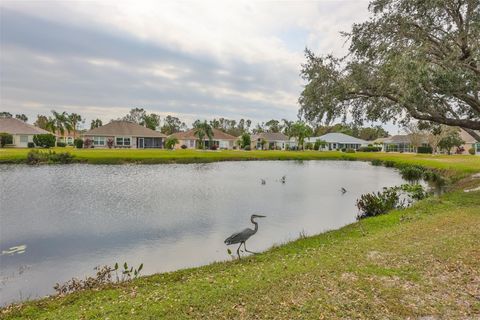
273, 141
338, 141
21, 132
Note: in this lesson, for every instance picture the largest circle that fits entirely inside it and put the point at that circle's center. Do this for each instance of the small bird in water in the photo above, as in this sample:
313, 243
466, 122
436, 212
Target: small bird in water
284, 179
263, 181
242, 236
343, 190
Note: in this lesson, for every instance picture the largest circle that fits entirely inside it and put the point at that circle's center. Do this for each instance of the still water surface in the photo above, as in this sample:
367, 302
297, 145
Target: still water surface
65, 220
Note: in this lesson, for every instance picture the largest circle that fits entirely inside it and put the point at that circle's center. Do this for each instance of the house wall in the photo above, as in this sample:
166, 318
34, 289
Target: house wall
22, 140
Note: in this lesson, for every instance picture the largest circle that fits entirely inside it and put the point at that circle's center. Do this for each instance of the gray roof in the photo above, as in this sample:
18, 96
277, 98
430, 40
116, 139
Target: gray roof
337, 137
124, 128
270, 136
402, 138
15, 126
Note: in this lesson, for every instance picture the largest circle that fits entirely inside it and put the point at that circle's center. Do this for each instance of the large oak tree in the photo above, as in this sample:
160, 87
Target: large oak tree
412, 59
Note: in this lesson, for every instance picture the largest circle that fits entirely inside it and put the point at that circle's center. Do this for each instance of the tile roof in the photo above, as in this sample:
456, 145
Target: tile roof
270, 136
402, 138
15, 126
124, 128
337, 137
190, 135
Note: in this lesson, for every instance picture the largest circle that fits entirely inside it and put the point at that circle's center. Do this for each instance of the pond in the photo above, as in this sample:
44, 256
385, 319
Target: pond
59, 222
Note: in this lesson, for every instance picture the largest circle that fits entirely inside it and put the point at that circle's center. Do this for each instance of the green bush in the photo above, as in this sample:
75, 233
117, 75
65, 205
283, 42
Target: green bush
318, 144
61, 144
31, 145
37, 157
389, 163
44, 140
247, 148
5, 138
412, 173
377, 203
78, 143
350, 150
370, 149
376, 162
427, 149
471, 151
308, 146
170, 143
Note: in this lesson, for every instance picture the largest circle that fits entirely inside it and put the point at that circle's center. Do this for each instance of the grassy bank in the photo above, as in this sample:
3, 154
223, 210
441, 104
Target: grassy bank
422, 261
464, 163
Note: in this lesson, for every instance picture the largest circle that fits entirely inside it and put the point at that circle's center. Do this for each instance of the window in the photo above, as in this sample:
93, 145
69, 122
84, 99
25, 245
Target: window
122, 141
98, 141
23, 139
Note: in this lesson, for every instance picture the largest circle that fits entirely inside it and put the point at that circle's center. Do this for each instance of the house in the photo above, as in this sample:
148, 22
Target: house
67, 137
470, 142
402, 143
338, 141
21, 132
124, 134
273, 141
189, 139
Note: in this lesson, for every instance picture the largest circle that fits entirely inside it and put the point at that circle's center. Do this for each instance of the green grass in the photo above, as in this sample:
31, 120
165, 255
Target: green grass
422, 261
464, 163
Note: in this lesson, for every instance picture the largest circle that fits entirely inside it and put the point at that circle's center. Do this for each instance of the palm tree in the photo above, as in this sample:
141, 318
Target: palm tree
300, 130
171, 142
74, 120
61, 122
203, 129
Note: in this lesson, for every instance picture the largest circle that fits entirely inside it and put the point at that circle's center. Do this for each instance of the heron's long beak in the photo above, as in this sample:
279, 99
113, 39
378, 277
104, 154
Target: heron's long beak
259, 216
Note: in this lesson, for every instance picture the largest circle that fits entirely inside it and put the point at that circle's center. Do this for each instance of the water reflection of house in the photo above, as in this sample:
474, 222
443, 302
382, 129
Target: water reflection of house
22, 133
125, 134
189, 139
338, 141
271, 141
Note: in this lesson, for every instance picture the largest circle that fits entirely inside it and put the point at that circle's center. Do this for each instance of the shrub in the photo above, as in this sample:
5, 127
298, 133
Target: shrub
214, 147
309, 146
370, 149
389, 163
110, 143
170, 143
318, 144
87, 143
376, 162
247, 148
245, 140
350, 150
183, 146
36, 157
44, 140
471, 151
61, 144
5, 138
31, 145
412, 173
427, 149
78, 143
343, 149
377, 203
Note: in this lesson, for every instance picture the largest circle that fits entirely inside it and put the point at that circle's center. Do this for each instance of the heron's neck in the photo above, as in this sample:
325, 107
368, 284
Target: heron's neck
256, 225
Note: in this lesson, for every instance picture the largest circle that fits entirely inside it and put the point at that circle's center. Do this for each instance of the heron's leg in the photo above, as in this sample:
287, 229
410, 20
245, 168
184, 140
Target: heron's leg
238, 250
245, 246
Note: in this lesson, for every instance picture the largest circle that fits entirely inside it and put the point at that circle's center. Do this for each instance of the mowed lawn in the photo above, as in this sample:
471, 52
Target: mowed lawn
464, 163
420, 262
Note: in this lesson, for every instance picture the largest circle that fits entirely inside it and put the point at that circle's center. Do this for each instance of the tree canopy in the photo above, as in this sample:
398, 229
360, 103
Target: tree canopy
411, 59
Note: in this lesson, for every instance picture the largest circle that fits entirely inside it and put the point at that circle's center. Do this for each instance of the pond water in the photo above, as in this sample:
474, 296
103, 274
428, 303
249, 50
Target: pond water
59, 222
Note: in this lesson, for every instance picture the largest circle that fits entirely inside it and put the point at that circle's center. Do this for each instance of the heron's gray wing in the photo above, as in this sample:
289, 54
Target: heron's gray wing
239, 236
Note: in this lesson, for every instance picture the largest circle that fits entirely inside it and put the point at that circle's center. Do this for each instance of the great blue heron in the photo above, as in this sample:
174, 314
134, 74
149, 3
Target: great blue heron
242, 236
343, 190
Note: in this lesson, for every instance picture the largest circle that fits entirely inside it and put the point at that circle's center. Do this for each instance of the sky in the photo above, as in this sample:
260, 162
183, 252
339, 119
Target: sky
191, 59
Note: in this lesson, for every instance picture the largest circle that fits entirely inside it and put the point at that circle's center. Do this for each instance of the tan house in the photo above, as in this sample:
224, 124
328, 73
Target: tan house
470, 142
67, 137
273, 141
21, 132
220, 139
124, 134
